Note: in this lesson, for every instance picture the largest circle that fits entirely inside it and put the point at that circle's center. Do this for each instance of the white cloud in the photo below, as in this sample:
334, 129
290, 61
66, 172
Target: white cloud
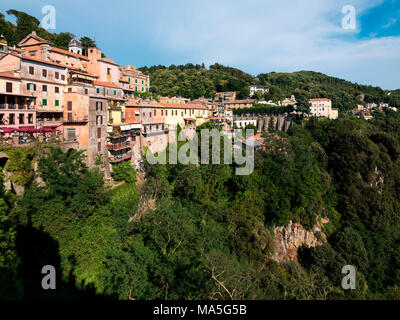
290, 35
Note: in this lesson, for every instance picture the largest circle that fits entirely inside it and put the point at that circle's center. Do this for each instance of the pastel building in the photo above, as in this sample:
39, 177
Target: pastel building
16, 108
184, 115
42, 80
132, 80
322, 107
104, 68
85, 121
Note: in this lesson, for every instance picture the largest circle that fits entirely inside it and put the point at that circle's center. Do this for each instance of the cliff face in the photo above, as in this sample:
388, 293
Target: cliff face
289, 238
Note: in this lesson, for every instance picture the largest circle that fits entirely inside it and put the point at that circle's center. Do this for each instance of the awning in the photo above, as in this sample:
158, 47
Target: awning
189, 119
7, 130
136, 126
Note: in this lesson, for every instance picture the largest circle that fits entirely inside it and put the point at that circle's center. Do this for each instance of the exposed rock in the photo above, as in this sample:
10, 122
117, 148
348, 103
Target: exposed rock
289, 238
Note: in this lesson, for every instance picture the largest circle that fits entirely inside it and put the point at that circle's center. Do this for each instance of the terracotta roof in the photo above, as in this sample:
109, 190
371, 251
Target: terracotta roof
69, 53
182, 106
33, 35
320, 99
108, 60
238, 101
106, 84
8, 74
40, 61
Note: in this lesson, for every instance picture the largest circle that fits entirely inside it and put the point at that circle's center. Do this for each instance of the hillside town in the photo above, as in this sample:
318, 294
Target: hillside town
91, 103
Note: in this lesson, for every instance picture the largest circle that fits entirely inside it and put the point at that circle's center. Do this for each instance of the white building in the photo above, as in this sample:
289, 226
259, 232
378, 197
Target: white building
257, 88
322, 107
75, 46
243, 123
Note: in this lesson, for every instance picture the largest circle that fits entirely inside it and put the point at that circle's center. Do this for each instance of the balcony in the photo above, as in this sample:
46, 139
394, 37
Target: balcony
13, 106
120, 158
119, 146
76, 121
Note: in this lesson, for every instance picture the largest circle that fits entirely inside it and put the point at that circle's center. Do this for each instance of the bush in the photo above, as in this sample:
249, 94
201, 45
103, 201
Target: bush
124, 172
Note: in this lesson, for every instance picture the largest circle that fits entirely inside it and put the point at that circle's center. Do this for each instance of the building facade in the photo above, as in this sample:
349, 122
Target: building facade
322, 107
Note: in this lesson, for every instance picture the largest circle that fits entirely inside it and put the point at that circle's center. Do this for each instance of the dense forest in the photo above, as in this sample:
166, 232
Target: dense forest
202, 232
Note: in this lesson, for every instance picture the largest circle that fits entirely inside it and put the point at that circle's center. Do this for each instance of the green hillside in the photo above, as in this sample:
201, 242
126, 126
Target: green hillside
194, 81
314, 85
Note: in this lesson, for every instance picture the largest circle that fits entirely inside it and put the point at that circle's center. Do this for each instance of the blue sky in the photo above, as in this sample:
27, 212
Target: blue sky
254, 35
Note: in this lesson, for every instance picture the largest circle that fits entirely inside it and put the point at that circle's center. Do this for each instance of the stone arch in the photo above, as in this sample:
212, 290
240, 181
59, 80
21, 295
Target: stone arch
3, 159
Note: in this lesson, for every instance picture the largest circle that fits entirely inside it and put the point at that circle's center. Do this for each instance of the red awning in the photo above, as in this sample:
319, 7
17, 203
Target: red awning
189, 119
27, 129
7, 130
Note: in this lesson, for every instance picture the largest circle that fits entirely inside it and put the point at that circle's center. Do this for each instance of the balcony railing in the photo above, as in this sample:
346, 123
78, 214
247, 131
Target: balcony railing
119, 146
14, 106
120, 158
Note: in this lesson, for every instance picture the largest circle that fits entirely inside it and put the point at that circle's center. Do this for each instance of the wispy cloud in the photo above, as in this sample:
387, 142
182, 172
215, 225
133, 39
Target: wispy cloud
391, 22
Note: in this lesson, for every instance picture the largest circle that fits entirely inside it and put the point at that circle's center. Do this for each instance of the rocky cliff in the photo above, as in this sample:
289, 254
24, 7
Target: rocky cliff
289, 238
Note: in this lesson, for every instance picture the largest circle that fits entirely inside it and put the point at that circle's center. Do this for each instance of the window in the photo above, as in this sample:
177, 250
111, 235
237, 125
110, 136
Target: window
142, 82
71, 133
162, 112
62, 77
21, 118
155, 112
44, 88
97, 90
57, 75
30, 118
108, 71
31, 86
32, 53
57, 103
44, 102
86, 91
70, 89
44, 73
11, 118
69, 104
8, 86
135, 80
98, 133
31, 70
115, 92
166, 112
56, 89
99, 147
70, 117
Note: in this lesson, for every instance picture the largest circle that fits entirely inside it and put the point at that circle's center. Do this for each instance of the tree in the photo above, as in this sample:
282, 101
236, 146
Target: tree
303, 105
86, 44
124, 172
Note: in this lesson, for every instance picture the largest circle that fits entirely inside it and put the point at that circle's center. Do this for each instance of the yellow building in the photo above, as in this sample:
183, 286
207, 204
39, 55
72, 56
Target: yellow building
183, 115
